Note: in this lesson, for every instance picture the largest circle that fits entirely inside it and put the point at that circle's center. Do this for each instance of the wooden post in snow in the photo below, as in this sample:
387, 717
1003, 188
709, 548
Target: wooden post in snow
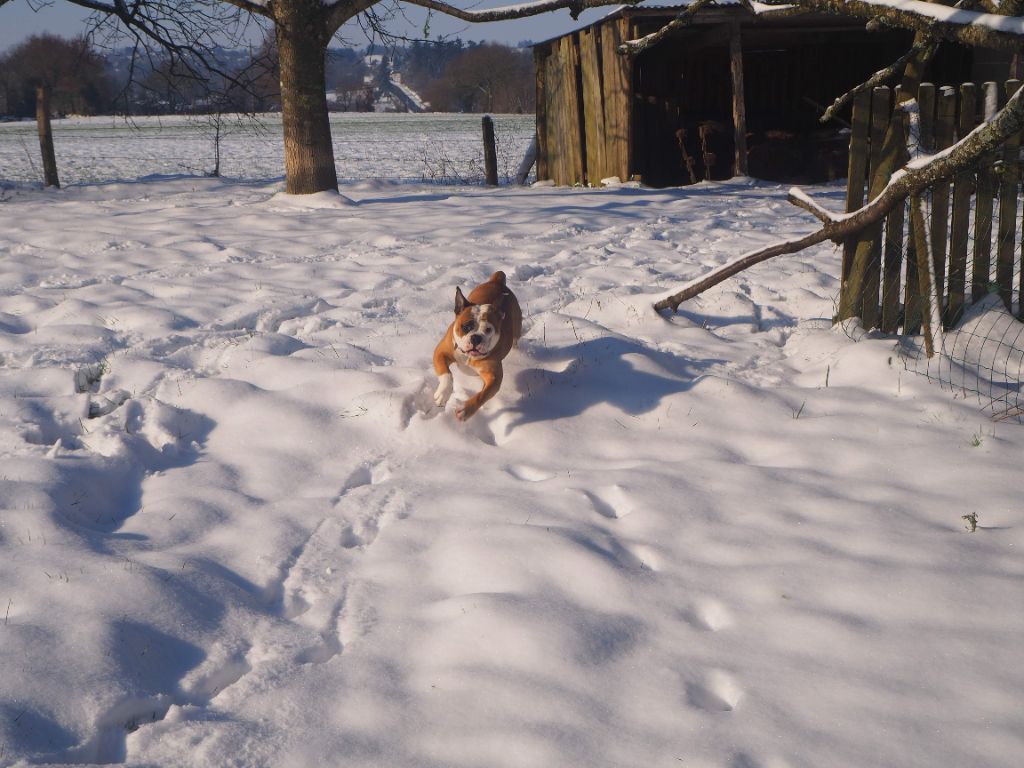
739, 112
490, 153
523, 173
46, 137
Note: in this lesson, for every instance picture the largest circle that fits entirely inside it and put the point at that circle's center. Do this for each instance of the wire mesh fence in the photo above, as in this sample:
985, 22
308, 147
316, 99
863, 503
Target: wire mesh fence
979, 346
442, 148
958, 278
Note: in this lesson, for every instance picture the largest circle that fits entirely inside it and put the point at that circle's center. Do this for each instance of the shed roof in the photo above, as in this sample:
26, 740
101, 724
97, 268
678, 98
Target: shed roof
669, 8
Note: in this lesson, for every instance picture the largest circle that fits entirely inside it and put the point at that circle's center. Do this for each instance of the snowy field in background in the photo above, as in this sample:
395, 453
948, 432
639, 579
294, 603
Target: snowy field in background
234, 532
424, 147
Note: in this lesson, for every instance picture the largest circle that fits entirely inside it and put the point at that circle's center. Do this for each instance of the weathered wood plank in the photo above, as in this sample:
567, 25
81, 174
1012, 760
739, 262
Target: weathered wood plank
983, 206
963, 189
593, 106
739, 110
892, 255
540, 56
1007, 231
857, 171
945, 135
555, 107
926, 109
919, 235
565, 157
859, 292
912, 302
617, 83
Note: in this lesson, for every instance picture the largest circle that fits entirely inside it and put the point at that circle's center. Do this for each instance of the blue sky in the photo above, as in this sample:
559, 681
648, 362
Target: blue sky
18, 21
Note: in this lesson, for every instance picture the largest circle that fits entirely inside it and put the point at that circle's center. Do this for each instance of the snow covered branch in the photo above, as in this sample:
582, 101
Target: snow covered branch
682, 20
520, 11
985, 30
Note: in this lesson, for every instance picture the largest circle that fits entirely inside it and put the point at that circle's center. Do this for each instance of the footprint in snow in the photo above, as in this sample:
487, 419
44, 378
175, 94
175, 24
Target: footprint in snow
707, 615
528, 473
718, 691
611, 501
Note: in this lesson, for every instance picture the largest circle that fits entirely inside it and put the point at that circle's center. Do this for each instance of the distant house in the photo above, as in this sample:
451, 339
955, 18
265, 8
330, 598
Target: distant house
676, 113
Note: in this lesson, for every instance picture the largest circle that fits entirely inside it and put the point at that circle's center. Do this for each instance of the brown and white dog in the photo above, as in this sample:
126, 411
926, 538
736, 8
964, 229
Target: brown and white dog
487, 325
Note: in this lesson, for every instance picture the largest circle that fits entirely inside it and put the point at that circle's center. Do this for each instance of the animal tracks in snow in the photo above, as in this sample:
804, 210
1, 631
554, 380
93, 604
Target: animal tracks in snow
716, 691
617, 525
316, 591
708, 615
528, 473
611, 501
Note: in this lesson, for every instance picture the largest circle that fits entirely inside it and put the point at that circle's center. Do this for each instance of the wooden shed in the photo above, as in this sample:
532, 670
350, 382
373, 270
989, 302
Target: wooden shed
734, 93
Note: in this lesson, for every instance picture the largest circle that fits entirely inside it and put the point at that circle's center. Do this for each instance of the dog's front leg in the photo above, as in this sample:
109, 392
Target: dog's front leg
442, 367
491, 376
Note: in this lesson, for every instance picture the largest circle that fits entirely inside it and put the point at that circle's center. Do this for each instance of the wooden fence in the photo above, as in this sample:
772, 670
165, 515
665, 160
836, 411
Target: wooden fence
973, 228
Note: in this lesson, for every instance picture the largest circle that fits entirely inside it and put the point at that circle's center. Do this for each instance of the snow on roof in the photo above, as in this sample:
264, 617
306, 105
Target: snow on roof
661, 5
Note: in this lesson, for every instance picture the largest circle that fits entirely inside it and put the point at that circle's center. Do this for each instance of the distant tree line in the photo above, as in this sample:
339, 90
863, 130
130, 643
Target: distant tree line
77, 76
477, 77
452, 76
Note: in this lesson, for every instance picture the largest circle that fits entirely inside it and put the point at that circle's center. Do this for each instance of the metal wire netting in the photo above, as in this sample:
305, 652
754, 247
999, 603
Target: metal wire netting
978, 336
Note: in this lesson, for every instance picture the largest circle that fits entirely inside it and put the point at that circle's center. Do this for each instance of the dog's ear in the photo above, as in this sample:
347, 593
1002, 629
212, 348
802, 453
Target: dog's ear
461, 302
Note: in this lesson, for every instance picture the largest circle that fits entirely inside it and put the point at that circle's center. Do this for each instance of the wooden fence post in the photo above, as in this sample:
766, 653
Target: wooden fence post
46, 137
1008, 212
856, 177
490, 153
919, 233
859, 291
963, 188
987, 184
945, 131
892, 255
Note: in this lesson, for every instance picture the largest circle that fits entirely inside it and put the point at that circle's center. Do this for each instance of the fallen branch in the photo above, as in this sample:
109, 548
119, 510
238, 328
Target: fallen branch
743, 262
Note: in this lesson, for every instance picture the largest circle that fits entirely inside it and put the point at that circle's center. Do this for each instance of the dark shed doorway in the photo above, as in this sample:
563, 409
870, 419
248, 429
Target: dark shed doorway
683, 112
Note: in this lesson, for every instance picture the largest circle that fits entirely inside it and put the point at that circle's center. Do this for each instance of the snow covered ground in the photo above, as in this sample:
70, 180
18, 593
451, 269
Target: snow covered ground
234, 532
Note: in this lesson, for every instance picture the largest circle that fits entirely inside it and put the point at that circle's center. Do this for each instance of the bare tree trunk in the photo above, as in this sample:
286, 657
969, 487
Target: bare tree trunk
46, 137
302, 50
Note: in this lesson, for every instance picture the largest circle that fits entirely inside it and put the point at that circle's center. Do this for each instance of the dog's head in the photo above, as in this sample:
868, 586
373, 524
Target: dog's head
477, 326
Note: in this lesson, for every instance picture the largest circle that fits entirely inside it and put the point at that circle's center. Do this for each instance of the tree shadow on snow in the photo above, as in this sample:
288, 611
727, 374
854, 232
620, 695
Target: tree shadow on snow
613, 370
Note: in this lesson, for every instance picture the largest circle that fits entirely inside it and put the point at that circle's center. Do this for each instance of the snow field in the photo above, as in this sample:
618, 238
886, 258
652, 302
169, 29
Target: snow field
433, 147
235, 531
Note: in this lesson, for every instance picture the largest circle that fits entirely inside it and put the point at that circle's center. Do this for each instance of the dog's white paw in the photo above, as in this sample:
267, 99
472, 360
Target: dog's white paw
443, 391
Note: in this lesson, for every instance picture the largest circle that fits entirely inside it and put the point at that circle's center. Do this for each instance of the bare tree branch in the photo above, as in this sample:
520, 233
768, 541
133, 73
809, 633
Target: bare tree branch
253, 8
680, 22
882, 76
535, 8
339, 13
